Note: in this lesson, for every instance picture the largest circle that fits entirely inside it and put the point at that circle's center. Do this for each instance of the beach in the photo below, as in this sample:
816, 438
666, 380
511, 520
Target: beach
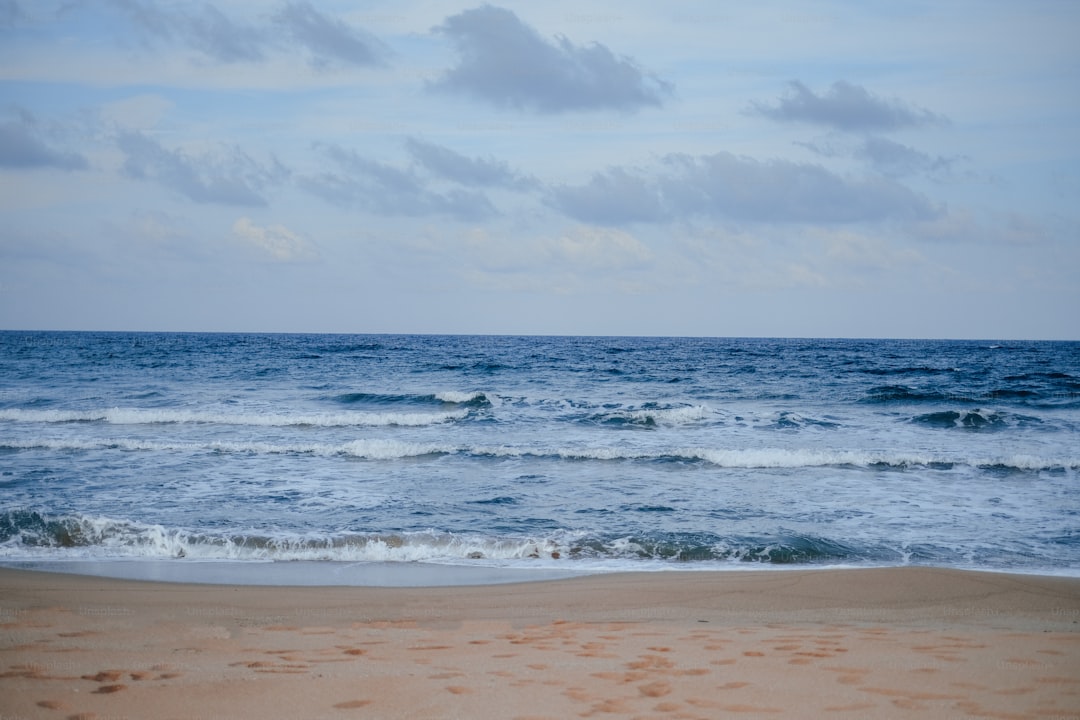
859, 643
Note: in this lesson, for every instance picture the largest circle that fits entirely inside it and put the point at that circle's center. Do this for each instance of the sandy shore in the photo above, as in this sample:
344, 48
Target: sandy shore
889, 643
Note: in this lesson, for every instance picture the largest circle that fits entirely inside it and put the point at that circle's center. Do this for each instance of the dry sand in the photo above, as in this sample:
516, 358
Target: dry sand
881, 643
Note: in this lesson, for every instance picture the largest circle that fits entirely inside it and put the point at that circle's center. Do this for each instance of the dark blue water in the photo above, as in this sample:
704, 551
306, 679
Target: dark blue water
640, 453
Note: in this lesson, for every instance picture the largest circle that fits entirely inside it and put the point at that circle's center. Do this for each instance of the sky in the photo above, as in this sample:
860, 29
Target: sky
766, 169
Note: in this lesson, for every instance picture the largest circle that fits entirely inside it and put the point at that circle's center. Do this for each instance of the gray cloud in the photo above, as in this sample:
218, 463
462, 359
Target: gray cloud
206, 29
22, 145
613, 197
895, 159
845, 106
10, 13
473, 172
231, 178
726, 186
887, 156
507, 63
386, 190
328, 39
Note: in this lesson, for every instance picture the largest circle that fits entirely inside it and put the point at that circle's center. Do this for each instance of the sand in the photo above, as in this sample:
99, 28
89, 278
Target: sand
870, 643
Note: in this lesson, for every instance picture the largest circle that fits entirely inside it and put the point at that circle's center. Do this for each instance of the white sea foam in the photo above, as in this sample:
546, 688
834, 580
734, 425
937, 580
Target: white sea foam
391, 449
453, 396
671, 416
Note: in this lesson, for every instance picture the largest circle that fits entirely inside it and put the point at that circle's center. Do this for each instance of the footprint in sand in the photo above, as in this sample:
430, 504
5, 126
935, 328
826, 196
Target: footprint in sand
105, 676
52, 704
659, 688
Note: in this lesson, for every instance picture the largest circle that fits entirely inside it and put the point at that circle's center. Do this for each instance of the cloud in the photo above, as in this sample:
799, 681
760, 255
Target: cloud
212, 33
22, 145
615, 196
276, 240
895, 159
10, 13
328, 39
506, 62
229, 178
139, 112
206, 30
577, 259
867, 253
472, 172
600, 248
1003, 227
723, 185
845, 106
386, 190
887, 156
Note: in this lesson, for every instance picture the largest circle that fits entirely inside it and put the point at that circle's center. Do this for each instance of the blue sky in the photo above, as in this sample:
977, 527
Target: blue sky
832, 169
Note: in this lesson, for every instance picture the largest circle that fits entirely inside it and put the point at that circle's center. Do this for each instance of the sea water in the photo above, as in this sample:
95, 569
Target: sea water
581, 453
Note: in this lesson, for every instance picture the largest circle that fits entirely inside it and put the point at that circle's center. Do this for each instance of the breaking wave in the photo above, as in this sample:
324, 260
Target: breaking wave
652, 415
448, 397
387, 449
974, 419
30, 534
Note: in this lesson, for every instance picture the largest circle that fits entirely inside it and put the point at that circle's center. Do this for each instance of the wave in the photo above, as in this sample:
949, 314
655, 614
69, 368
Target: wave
1049, 398
902, 394
365, 449
384, 450
30, 534
463, 398
647, 416
787, 420
37, 536
974, 419
140, 416
448, 397
24, 533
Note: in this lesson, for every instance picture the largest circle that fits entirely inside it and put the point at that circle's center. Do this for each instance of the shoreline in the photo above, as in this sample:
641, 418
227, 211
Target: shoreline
328, 573
915, 590
865, 643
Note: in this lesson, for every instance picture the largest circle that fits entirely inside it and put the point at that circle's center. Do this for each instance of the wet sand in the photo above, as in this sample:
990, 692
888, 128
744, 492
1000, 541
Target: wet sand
872, 643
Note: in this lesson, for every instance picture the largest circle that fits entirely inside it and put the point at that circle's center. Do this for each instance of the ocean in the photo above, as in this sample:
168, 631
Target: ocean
588, 454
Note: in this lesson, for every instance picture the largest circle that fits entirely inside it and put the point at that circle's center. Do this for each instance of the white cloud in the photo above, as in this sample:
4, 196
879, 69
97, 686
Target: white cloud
587, 247
139, 112
276, 240
578, 259
866, 253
